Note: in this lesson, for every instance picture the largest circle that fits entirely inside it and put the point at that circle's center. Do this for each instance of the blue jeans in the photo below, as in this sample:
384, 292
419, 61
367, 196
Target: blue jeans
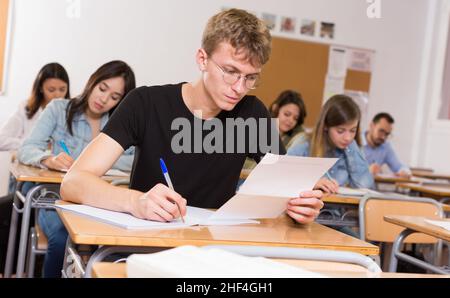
56, 234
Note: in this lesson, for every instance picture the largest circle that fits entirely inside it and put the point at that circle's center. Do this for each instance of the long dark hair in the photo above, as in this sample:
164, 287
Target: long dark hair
109, 70
36, 99
338, 110
287, 97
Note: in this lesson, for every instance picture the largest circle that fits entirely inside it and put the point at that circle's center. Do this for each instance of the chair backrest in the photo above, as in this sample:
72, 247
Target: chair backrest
372, 210
303, 254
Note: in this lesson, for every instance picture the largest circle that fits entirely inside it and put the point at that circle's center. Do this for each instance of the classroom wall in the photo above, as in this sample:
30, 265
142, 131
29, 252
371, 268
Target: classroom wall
159, 40
434, 134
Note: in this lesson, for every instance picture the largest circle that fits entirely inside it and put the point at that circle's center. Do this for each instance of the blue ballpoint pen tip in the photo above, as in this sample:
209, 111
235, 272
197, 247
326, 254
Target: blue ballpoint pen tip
163, 165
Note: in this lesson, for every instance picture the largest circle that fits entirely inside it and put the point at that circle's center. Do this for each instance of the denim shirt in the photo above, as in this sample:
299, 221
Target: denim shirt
51, 127
351, 169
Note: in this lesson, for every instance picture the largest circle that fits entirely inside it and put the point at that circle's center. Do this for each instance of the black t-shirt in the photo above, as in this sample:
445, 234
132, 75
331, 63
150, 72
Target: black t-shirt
147, 119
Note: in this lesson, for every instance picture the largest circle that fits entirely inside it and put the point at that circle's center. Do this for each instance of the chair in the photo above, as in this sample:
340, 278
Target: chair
373, 227
38, 245
302, 254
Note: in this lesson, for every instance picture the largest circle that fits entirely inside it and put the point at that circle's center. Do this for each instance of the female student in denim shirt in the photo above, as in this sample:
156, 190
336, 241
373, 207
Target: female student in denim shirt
76, 122
337, 135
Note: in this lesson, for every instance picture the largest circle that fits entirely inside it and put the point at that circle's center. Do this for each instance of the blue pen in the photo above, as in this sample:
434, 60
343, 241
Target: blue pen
329, 177
63, 145
169, 182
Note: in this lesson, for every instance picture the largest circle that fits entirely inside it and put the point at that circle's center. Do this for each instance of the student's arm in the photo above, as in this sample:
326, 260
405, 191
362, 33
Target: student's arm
125, 161
11, 133
358, 168
83, 184
394, 163
34, 149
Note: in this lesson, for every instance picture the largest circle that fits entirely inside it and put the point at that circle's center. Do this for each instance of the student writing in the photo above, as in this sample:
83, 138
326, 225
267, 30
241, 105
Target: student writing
235, 46
75, 122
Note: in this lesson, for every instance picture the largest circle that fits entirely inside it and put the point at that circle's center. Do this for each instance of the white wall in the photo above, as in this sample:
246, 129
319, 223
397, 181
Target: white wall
434, 140
159, 38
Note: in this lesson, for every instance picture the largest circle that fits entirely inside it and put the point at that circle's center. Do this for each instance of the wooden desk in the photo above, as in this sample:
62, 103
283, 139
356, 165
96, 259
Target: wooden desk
336, 270
432, 190
394, 179
46, 180
420, 225
348, 200
270, 232
24, 173
430, 175
338, 199
414, 224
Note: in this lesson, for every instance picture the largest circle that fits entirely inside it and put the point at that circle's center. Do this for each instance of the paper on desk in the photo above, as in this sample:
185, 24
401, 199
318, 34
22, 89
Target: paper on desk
358, 192
194, 216
440, 223
269, 187
194, 262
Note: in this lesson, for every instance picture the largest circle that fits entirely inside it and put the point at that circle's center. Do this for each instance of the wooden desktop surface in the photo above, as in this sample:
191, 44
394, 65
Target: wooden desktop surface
430, 174
392, 179
24, 173
419, 224
270, 232
331, 269
441, 191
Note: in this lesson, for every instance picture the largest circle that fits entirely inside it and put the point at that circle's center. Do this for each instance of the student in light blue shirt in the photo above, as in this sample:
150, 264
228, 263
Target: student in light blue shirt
336, 134
75, 123
378, 151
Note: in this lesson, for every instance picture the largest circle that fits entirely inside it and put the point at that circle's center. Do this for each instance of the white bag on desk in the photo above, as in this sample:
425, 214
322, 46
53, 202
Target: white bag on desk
194, 262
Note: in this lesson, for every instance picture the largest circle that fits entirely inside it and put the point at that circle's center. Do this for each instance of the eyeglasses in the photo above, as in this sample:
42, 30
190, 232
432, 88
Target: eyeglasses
251, 81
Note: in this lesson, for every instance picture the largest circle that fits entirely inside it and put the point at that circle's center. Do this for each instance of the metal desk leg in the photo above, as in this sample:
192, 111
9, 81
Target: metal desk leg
102, 252
21, 256
397, 254
12, 233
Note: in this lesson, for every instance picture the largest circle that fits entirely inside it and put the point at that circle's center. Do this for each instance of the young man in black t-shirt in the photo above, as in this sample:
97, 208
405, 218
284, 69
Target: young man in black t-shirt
166, 122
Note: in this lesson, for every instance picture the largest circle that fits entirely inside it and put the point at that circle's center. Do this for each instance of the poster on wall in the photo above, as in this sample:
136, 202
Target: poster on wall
362, 100
360, 60
5, 26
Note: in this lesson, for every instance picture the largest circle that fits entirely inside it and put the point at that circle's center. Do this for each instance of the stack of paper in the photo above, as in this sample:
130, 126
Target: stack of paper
194, 262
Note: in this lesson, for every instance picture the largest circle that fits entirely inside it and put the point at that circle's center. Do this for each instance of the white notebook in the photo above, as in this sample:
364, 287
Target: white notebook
195, 262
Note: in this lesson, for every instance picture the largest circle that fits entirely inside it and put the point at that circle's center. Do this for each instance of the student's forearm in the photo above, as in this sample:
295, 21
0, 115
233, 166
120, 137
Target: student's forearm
86, 188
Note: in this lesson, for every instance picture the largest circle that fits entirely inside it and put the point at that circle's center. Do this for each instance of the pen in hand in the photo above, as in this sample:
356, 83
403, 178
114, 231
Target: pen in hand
64, 147
169, 182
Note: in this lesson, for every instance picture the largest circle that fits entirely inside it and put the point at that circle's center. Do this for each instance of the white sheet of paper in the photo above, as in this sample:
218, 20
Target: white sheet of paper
440, 223
285, 176
271, 184
194, 216
119, 173
197, 262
